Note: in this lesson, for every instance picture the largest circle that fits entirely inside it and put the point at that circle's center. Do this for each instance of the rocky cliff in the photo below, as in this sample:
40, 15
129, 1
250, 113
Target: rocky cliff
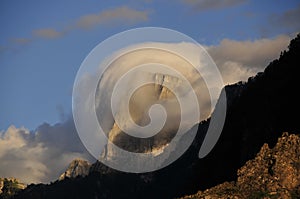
273, 173
9, 187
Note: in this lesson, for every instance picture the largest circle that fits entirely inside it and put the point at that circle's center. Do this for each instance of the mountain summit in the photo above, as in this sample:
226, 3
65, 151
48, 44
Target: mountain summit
76, 168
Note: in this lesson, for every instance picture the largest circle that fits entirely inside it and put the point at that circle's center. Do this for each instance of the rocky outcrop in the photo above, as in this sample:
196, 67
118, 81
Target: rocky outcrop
9, 187
76, 168
274, 173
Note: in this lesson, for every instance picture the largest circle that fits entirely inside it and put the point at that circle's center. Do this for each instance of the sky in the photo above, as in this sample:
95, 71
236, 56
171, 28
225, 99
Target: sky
43, 44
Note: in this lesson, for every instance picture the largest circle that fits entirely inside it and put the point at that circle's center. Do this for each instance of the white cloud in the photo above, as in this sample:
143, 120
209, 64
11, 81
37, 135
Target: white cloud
162, 53
39, 156
237, 60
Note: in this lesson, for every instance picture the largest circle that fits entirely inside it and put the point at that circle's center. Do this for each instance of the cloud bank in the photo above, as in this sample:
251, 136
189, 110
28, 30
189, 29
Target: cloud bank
39, 156
238, 60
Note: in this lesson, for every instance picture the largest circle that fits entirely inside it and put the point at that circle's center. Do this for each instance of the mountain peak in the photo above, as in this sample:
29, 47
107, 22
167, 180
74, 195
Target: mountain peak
76, 168
10, 186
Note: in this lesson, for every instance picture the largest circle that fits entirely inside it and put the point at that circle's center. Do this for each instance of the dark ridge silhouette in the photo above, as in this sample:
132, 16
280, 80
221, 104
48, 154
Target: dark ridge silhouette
273, 173
258, 112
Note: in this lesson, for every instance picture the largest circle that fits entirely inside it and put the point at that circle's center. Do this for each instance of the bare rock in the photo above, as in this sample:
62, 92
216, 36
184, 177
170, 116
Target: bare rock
76, 168
273, 173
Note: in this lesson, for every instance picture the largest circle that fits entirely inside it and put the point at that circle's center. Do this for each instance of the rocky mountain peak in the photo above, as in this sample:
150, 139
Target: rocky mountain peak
76, 168
10, 186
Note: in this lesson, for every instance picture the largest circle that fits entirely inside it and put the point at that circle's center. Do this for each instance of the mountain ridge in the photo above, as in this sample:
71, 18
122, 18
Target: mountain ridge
273, 173
258, 112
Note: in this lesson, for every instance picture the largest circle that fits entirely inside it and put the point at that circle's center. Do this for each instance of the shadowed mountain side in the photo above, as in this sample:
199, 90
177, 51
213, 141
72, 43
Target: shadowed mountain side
258, 111
273, 173
266, 107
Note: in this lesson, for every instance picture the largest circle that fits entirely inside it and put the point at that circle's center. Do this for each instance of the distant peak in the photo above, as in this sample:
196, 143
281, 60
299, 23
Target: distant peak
77, 167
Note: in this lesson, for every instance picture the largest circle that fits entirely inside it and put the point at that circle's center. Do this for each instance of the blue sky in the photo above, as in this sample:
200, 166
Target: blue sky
43, 43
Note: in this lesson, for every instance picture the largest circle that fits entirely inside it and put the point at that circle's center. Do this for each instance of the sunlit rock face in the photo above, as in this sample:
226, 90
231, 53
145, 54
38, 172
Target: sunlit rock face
10, 186
165, 88
141, 101
76, 168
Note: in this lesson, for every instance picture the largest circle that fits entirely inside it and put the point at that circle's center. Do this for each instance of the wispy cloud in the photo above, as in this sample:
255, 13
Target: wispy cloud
14, 44
118, 15
47, 33
4, 49
285, 22
112, 17
21, 41
289, 19
203, 5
